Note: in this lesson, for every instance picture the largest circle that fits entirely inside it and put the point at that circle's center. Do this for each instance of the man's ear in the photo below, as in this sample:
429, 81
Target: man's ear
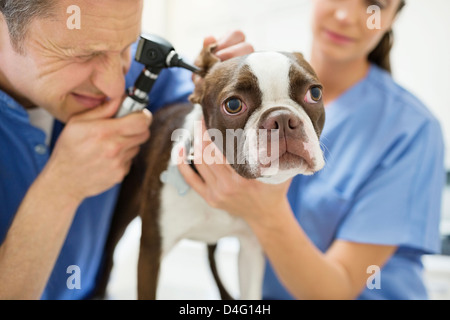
205, 61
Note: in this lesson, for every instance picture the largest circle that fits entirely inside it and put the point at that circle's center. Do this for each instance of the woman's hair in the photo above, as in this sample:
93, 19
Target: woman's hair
381, 54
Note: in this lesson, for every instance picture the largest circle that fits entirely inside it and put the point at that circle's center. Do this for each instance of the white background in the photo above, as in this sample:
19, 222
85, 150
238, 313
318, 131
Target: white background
420, 57
421, 63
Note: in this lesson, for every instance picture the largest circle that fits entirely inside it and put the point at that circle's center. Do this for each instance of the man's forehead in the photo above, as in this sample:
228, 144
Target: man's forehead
85, 45
94, 47
104, 27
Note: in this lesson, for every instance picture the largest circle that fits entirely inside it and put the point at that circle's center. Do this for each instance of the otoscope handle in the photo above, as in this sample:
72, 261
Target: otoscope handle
156, 54
137, 97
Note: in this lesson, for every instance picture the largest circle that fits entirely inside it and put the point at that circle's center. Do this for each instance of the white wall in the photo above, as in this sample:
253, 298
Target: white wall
420, 58
421, 64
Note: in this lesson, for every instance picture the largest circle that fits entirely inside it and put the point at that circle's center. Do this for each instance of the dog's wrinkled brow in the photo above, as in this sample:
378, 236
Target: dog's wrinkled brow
246, 80
300, 78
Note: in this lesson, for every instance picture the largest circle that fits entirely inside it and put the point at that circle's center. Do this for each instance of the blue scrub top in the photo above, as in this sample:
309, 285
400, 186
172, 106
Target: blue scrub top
382, 184
23, 155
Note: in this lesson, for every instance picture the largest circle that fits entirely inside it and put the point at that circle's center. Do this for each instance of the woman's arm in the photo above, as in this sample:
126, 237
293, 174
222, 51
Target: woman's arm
339, 273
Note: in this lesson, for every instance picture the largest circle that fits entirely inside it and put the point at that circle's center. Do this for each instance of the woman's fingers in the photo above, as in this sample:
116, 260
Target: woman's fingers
230, 39
233, 45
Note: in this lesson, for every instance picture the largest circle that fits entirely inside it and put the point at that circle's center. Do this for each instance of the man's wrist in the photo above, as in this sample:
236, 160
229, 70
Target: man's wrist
57, 191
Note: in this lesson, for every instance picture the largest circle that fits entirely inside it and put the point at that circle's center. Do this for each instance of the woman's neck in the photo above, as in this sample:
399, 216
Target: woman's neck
337, 76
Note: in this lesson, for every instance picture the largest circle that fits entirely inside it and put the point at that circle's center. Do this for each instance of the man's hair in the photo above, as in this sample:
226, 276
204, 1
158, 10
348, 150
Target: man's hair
18, 15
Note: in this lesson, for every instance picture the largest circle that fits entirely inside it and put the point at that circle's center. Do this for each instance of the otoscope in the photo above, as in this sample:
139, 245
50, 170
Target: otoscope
156, 54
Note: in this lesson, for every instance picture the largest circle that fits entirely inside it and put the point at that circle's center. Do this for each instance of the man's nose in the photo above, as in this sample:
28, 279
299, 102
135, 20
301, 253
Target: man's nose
109, 75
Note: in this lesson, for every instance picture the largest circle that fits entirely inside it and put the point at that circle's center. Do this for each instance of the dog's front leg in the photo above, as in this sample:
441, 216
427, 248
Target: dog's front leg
251, 268
148, 268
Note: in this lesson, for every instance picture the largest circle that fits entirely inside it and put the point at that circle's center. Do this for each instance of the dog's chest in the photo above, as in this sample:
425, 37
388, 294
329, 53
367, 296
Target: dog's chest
190, 217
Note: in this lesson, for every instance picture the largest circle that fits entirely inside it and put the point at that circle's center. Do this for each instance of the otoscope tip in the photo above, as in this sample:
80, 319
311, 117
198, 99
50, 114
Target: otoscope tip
174, 60
188, 66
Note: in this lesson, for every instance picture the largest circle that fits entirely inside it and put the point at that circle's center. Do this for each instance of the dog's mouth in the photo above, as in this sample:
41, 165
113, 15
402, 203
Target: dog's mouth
289, 160
288, 153
272, 155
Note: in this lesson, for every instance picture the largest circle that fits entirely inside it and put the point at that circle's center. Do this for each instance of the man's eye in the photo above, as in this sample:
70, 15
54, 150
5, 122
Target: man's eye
314, 95
87, 57
84, 58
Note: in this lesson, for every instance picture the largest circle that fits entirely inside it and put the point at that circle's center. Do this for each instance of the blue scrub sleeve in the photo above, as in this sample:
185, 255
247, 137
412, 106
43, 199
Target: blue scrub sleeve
400, 204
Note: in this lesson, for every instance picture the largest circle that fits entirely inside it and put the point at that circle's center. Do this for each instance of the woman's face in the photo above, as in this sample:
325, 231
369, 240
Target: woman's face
346, 30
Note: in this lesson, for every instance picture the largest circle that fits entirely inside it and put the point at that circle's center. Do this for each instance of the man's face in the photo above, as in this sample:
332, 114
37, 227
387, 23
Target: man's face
68, 71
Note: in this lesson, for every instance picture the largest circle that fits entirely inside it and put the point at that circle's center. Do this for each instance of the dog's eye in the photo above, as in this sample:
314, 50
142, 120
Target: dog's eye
313, 95
233, 106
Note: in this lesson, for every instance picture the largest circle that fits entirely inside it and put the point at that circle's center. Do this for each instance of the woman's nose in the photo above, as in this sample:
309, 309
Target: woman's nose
347, 12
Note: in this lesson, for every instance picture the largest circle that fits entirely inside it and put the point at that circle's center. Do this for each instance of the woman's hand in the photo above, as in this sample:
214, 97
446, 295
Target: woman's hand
229, 46
222, 188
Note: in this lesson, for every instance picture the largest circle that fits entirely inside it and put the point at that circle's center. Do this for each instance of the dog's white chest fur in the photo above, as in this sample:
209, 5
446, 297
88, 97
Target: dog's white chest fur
189, 216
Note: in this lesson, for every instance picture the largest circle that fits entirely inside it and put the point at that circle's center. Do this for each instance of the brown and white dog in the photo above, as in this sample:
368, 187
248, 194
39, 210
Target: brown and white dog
264, 90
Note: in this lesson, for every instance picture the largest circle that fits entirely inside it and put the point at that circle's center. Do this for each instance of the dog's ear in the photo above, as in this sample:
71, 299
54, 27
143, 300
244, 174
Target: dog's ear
299, 56
205, 61
302, 61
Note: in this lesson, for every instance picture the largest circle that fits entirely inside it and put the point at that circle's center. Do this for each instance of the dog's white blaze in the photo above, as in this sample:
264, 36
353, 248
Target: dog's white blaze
264, 66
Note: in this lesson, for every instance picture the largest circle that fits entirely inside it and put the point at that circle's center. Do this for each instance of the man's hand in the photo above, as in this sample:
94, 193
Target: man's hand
95, 151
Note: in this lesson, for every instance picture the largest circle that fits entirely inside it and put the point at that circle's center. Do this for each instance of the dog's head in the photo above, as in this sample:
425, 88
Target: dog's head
268, 107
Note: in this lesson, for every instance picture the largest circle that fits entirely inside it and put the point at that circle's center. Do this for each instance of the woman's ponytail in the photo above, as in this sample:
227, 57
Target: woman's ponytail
381, 54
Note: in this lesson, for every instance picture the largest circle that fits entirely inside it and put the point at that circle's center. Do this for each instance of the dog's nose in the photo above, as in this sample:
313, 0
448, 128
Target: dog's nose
286, 122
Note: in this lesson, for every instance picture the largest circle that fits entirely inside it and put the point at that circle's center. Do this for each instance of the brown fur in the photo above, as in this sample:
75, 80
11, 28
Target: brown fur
140, 196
